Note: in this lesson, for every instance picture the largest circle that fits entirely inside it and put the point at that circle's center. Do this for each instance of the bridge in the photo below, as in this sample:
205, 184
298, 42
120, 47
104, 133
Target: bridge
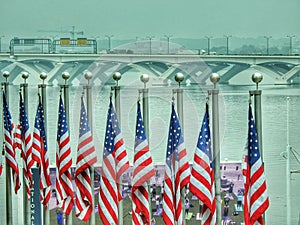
281, 69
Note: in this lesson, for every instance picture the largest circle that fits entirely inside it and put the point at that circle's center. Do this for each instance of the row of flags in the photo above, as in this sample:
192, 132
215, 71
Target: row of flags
178, 176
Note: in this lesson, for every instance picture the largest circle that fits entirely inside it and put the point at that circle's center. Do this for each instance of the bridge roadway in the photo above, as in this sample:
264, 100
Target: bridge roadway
197, 68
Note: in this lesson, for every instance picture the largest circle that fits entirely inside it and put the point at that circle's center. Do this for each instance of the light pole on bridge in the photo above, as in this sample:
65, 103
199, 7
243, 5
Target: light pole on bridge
268, 39
168, 39
150, 43
1, 42
291, 43
109, 41
227, 43
208, 44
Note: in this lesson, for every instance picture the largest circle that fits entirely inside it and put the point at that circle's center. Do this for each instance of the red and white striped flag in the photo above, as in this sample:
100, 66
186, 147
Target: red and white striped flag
256, 200
202, 175
177, 174
17, 138
86, 158
64, 186
1, 164
8, 142
22, 139
142, 172
115, 163
39, 151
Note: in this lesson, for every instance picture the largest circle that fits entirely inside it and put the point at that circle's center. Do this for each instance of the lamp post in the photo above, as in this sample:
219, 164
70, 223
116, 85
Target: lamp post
97, 40
1, 43
227, 43
267, 38
109, 41
168, 39
291, 43
150, 43
208, 44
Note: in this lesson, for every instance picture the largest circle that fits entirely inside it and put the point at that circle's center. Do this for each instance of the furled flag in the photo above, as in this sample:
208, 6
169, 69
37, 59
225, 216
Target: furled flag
202, 174
177, 173
256, 200
8, 142
40, 155
23, 142
142, 172
86, 158
1, 164
17, 138
64, 186
115, 163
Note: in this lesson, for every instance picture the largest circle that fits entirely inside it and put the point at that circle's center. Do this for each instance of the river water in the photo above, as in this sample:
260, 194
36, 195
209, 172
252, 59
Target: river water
233, 105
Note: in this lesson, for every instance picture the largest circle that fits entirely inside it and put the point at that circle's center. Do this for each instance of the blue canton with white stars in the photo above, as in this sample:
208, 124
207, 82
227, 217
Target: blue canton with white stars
24, 126
204, 142
6, 115
84, 125
175, 138
112, 130
140, 135
62, 126
40, 123
253, 147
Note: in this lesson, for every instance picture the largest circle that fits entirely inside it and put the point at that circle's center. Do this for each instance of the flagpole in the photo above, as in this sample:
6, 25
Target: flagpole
179, 77
26, 203
145, 78
43, 76
88, 76
288, 169
9, 215
214, 78
117, 76
65, 75
257, 78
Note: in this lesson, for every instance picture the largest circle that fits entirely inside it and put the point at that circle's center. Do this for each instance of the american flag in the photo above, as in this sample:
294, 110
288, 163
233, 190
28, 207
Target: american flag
142, 172
8, 142
17, 138
23, 142
39, 154
64, 186
177, 173
256, 200
202, 174
114, 164
86, 157
1, 164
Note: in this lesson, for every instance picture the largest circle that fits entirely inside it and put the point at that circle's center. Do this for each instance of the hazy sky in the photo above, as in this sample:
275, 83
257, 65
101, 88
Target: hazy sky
131, 18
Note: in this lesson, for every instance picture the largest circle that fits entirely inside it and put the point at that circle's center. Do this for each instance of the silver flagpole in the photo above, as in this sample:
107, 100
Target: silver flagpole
65, 75
145, 78
117, 76
179, 77
288, 169
43, 86
9, 216
214, 78
257, 78
88, 76
26, 203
